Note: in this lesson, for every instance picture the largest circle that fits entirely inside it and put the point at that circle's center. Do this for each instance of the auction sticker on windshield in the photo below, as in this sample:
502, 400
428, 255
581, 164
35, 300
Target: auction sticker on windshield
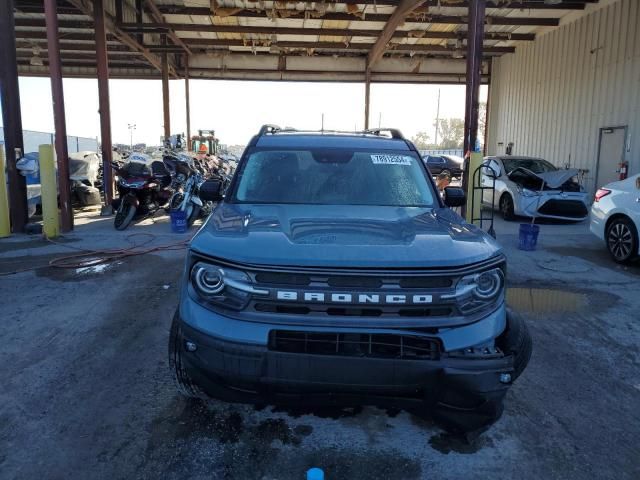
391, 159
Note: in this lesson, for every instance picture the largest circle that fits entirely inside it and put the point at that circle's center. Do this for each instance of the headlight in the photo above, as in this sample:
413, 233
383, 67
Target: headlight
222, 286
479, 290
526, 192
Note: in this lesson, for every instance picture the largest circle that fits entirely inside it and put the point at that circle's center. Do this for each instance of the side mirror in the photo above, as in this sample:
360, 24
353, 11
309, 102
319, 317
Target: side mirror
454, 197
211, 190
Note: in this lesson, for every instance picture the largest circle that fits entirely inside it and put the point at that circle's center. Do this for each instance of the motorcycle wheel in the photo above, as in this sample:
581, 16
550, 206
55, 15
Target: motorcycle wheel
124, 215
193, 212
176, 200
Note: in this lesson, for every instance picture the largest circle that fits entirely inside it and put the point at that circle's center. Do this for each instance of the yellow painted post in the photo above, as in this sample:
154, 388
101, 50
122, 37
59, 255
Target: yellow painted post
5, 224
474, 162
50, 214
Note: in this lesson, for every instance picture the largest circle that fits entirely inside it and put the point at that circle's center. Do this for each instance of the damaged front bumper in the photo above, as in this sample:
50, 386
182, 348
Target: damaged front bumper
464, 388
560, 205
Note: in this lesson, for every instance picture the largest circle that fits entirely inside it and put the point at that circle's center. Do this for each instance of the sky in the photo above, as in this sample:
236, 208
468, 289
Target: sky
237, 109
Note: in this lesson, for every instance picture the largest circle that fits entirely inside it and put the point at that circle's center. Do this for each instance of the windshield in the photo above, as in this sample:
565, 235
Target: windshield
536, 165
334, 177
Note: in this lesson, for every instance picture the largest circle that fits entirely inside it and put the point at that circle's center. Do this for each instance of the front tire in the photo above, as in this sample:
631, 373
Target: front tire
124, 215
506, 207
183, 380
622, 240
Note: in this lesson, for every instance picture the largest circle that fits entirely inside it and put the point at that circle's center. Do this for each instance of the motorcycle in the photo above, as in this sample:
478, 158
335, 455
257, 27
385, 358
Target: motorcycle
144, 187
187, 198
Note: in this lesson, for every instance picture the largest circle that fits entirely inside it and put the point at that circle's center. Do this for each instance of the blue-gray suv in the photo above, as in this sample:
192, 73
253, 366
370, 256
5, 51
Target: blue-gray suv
333, 271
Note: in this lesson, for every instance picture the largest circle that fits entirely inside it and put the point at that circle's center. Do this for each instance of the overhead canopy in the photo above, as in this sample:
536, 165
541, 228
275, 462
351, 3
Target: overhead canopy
397, 40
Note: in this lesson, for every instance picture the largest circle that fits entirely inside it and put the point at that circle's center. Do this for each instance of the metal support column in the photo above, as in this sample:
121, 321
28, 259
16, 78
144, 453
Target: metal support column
367, 95
57, 94
103, 99
475, 35
186, 98
165, 92
11, 118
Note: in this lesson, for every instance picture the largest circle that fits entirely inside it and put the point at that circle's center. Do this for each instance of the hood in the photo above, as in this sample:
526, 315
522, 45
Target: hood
554, 179
557, 178
342, 236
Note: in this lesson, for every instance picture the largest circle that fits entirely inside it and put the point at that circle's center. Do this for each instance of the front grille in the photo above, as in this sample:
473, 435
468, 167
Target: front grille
355, 311
564, 208
378, 345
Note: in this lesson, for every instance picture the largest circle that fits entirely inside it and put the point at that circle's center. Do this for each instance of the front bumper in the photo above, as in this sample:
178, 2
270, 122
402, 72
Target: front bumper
572, 207
465, 391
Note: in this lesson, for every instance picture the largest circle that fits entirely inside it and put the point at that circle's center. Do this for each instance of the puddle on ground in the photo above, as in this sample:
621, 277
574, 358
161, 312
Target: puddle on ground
99, 268
545, 300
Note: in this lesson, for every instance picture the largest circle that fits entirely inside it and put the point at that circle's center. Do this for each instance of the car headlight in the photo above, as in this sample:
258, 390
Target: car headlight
479, 290
525, 192
222, 286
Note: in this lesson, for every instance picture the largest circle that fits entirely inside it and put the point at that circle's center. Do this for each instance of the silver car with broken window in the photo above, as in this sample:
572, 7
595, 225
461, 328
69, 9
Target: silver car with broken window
533, 187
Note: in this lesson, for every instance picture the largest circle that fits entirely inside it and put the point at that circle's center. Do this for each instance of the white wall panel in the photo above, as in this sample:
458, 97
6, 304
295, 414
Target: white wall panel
552, 96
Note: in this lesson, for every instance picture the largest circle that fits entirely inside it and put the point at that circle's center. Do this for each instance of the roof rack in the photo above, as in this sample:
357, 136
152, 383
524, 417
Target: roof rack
395, 133
271, 129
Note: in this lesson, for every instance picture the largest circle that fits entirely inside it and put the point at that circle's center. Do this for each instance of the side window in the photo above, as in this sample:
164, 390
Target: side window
434, 160
494, 168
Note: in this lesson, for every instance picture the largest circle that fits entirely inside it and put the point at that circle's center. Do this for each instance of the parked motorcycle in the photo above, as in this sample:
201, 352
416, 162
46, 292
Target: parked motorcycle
144, 187
187, 199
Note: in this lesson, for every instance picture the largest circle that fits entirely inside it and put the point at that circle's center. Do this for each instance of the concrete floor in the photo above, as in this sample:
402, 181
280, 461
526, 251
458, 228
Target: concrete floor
86, 391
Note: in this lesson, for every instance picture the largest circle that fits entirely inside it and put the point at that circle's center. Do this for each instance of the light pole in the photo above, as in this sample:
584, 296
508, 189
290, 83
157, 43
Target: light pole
131, 127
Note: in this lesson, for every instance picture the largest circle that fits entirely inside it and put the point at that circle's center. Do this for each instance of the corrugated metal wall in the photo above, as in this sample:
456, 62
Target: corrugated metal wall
552, 96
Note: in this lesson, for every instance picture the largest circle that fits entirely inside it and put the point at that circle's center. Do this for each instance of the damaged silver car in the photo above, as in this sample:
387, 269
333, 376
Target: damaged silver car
533, 187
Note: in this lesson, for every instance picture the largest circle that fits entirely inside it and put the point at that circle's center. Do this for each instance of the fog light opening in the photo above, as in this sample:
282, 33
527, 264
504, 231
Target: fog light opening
505, 378
190, 346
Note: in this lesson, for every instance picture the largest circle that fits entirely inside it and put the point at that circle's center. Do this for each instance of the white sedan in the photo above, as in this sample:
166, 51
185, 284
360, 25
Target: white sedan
615, 218
532, 187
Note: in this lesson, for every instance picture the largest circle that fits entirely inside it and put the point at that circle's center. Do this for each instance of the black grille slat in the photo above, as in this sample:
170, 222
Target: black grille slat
355, 344
352, 311
564, 208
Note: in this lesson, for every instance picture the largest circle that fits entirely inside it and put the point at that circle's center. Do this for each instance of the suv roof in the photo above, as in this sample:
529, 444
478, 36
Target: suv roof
274, 136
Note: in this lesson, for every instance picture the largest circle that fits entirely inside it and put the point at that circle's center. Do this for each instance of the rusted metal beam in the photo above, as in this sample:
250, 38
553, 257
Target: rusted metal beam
57, 94
158, 17
103, 102
391, 47
397, 18
519, 4
378, 17
11, 117
367, 96
474, 65
165, 94
125, 38
338, 32
186, 100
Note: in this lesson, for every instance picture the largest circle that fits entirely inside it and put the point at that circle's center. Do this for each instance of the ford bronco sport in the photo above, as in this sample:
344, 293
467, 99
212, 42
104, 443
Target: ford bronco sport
332, 271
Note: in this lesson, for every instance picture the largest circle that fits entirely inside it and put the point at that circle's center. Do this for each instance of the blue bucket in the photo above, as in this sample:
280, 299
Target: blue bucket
178, 221
528, 236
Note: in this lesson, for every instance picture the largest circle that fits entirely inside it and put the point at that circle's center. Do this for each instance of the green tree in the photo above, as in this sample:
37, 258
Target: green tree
450, 133
421, 140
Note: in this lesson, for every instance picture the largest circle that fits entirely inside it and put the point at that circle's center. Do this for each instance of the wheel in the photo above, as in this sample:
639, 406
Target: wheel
124, 215
516, 341
175, 201
193, 212
622, 239
182, 378
506, 207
